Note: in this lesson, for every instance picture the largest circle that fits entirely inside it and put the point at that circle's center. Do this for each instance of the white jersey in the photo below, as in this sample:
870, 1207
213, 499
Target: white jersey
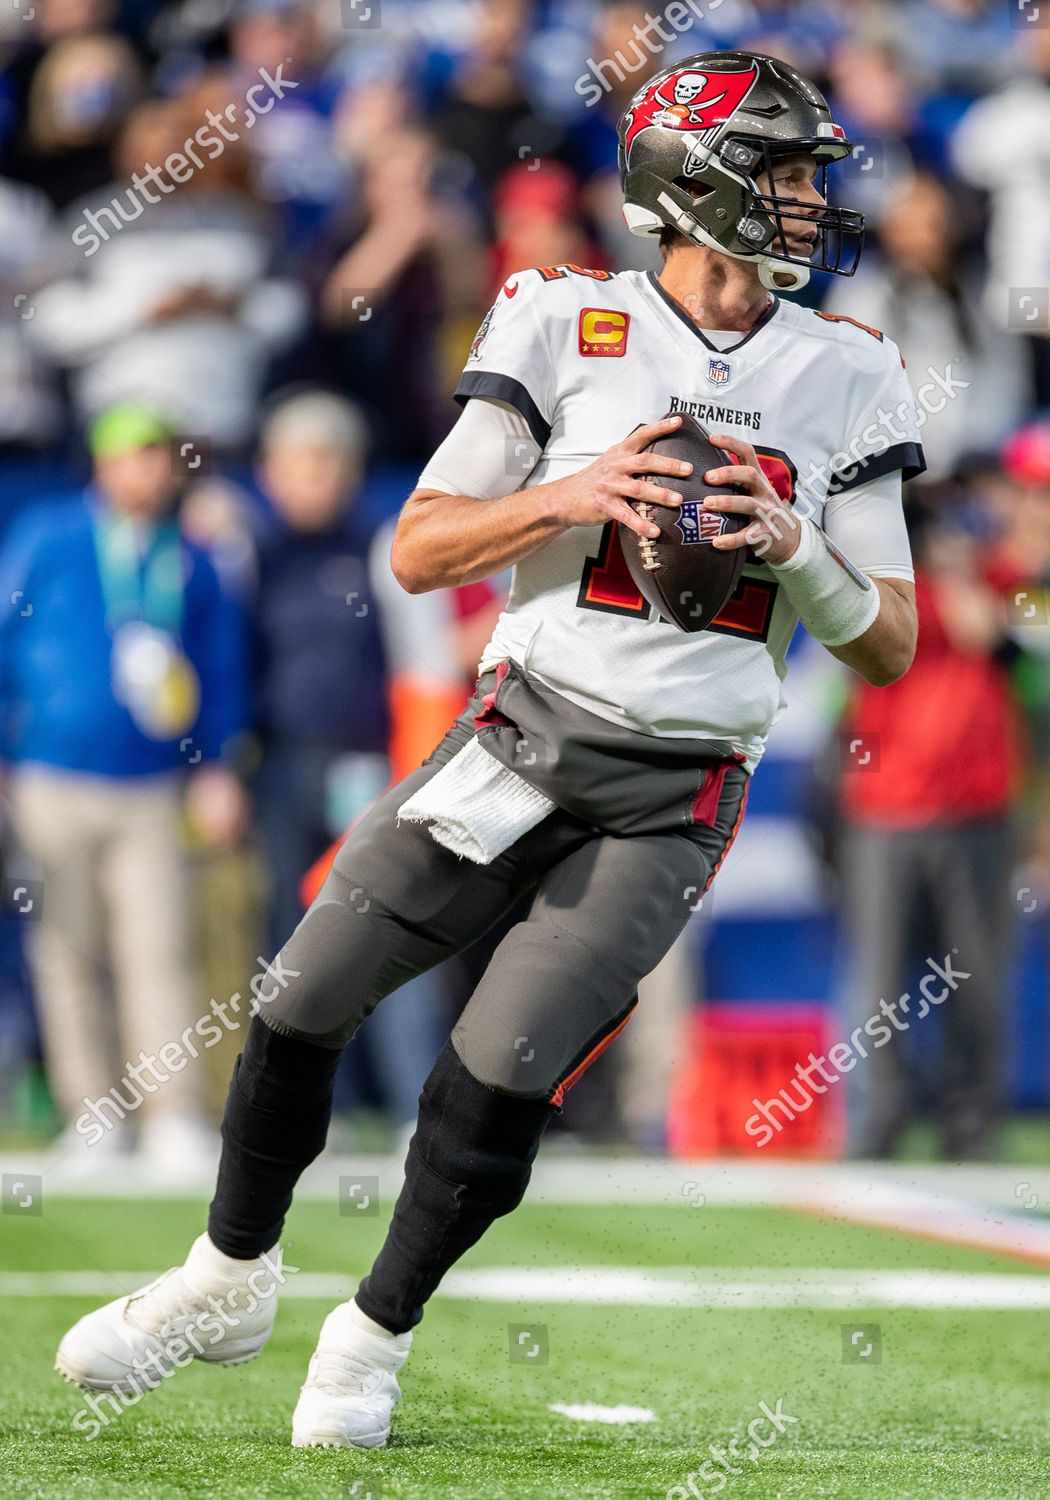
584, 357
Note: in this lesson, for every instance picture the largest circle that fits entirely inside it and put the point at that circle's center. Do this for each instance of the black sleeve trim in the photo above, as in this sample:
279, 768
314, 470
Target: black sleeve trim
908, 457
511, 392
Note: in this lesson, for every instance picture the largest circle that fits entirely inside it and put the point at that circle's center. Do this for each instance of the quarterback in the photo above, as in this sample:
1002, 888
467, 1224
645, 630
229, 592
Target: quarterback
602, 767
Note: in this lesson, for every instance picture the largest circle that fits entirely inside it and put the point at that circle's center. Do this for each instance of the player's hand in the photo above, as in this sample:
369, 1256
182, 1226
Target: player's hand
774, 532
600, 492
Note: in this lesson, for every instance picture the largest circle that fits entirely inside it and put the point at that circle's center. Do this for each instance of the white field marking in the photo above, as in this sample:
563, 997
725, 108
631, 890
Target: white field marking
581, 1178
977, 1206
903, 1208
718, 1287
616, 1416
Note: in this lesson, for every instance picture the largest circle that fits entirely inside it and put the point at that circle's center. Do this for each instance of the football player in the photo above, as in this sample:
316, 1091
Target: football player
603, 764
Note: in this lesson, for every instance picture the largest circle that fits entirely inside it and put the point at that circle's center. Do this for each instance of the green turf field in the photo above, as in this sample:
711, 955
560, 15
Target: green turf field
958, 1405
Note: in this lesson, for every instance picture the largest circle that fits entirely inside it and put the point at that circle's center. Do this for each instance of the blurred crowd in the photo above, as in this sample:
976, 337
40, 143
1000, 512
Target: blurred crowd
245, 247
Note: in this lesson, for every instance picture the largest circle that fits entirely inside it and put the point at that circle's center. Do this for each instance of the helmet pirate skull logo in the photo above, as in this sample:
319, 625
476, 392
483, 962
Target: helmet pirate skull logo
688, 86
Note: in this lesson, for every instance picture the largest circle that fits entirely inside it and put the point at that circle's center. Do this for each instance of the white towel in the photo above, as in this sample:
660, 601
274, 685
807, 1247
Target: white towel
475, 806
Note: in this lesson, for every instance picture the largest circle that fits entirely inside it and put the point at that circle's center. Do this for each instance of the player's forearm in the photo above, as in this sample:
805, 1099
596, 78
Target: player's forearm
886, 649
866, 622
443, 541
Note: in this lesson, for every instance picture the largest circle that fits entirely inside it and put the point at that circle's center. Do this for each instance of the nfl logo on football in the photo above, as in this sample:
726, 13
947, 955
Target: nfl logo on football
687, 522
696, 525
719, 371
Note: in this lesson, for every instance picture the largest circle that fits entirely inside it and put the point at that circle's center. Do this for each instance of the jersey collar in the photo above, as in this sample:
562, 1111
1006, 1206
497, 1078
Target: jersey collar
770, 312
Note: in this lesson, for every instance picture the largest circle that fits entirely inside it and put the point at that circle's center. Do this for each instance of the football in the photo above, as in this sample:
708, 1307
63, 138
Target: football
679, 572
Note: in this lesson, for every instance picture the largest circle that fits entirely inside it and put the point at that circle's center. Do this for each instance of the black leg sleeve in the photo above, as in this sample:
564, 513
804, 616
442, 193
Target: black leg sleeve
276, 1122
469, 1163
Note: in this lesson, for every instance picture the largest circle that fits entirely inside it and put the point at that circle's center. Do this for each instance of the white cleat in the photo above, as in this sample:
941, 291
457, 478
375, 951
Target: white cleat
351, 1388
212, 1308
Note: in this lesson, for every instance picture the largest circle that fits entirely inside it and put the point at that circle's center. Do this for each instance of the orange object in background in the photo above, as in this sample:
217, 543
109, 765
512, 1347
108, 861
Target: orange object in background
420, 716
420, 713
736, 1054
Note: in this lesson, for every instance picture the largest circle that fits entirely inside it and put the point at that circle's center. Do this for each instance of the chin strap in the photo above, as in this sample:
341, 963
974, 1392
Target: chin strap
774, 275
782, 276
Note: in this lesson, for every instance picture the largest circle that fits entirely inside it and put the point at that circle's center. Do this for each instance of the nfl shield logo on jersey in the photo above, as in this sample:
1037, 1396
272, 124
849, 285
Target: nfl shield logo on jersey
719, 371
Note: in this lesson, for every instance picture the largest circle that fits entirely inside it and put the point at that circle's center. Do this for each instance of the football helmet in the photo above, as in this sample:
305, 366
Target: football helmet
696, 138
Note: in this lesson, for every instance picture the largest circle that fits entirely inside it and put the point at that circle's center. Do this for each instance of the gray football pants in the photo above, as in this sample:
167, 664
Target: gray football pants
561, 984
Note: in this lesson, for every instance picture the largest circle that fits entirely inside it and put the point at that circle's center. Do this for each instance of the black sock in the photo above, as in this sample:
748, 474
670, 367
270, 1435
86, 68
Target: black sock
469, 1163
275, 1124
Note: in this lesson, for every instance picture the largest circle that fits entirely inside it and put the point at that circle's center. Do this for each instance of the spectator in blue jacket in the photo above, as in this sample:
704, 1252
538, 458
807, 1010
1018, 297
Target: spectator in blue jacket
123, 671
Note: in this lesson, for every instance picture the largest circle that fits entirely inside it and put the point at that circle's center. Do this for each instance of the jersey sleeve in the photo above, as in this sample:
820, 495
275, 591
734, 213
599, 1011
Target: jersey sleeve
882, 432
488, 454
867, 524
510, 359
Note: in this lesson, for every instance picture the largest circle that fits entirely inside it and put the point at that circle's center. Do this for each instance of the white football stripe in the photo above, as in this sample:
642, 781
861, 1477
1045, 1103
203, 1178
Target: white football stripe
613, 1415
996, 1208
708, 1287
720, 1287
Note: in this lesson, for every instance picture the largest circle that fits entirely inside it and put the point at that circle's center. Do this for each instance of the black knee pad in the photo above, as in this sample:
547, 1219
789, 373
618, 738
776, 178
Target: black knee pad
283, 1080
481, 1138
469, 1163
275, 1124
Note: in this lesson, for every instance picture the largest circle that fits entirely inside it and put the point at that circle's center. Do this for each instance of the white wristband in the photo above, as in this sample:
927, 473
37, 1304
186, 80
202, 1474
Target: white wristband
835, 601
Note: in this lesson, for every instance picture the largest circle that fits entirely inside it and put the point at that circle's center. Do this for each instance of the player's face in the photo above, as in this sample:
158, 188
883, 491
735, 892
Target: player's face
795, 179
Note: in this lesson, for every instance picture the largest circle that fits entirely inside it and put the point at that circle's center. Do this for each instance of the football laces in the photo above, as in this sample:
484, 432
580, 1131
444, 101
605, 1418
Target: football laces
647, 545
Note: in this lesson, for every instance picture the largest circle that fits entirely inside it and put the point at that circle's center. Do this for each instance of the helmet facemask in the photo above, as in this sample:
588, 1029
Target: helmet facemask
839, 231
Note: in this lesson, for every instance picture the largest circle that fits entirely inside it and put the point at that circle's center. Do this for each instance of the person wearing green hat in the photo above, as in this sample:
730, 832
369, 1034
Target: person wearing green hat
128, 429
123, 671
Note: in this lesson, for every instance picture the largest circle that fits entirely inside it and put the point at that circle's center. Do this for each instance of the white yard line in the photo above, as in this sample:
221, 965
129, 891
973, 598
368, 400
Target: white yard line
615, 1416
578, 1179
994, 1208
529, 1287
